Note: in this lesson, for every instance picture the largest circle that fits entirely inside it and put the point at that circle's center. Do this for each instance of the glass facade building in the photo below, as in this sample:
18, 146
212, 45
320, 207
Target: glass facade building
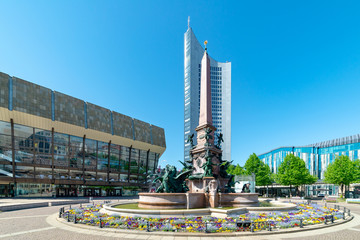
316, 156
52, 144
220, 74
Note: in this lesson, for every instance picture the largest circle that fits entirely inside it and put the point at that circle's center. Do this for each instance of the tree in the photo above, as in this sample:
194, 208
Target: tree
293, 172
261, 170
356, 170
235, 170
230, 169
342, 172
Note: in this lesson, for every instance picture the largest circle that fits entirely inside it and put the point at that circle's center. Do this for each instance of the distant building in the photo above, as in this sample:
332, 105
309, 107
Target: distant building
54, 144
317, 158
220, 91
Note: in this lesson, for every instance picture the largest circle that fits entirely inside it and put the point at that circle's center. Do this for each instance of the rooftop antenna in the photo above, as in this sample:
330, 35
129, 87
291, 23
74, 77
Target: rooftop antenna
188, 21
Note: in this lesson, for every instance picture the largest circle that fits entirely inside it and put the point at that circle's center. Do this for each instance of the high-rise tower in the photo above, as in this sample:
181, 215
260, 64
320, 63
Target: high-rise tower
220, 75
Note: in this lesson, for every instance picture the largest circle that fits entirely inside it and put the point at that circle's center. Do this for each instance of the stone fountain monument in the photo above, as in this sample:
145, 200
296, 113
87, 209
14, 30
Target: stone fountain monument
209, 174
207, 182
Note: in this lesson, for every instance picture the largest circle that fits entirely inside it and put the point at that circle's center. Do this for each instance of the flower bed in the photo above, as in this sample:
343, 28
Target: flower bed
303, 215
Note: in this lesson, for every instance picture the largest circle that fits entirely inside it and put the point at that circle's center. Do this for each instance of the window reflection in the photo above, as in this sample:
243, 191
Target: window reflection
62, 158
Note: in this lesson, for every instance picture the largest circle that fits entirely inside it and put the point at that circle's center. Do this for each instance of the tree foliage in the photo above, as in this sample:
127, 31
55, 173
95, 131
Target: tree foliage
343, 171
235, 170
260, 169
293, 172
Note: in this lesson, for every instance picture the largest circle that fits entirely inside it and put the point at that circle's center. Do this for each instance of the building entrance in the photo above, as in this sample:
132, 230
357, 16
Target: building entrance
66, 192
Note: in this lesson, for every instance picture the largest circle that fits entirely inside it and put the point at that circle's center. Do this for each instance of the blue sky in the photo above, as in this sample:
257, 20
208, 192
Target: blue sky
295, 64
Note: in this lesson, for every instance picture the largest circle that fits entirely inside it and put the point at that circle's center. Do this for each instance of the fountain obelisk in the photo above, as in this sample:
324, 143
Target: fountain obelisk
206, 157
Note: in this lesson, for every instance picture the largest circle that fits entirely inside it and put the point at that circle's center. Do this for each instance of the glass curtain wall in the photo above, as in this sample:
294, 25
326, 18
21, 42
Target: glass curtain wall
51, 156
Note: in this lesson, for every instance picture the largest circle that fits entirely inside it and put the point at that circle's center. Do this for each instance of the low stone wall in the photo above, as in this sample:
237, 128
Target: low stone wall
195, 200
166, 213
214, 212
14, 207
279, 206
239, 199
163, 200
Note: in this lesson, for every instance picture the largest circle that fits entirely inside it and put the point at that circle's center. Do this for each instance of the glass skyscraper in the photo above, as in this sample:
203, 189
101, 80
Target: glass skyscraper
220, 94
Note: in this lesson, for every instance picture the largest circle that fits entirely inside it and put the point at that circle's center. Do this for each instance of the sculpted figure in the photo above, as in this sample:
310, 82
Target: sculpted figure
207, 166
220, 139
208, 136
229, 187
223, 168
191, 140
171, 182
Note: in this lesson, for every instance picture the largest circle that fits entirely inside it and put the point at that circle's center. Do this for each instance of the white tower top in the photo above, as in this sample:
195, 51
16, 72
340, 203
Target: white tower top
188, 21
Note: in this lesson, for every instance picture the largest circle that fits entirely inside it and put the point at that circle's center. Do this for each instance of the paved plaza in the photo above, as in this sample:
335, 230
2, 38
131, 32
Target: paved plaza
41, 223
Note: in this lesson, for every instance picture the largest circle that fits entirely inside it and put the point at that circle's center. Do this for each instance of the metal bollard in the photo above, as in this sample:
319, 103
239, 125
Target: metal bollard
75, 219
344, 215
252, 226
68, 219
100, 224
60, 213
80, 205
269, 226
147, 226
301, 223
325, 220
206, 230
349, 212
70, 207
325, 204
332, 218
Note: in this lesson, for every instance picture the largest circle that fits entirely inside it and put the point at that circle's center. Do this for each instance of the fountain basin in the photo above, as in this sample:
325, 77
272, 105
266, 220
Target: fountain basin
196, 200
214, 212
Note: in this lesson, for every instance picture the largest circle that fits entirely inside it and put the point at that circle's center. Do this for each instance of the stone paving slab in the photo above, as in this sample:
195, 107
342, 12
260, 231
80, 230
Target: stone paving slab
349, 230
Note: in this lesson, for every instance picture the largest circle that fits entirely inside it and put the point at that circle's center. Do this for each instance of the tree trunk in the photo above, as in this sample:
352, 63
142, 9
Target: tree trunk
290, 191
342, 190
267, 191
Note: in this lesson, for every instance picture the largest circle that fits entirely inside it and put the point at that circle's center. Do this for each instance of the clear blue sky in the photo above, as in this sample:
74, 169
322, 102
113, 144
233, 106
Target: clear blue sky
295, 64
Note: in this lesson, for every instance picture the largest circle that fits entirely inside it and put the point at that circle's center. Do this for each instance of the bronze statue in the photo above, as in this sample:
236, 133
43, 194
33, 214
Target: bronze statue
229, 187
171, 182
208, 136
246, 188
207, 166
191, 140
224, 165
220, 139
187, 166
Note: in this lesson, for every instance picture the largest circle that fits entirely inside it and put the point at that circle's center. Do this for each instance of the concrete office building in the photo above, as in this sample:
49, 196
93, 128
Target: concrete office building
54, 144
220, 93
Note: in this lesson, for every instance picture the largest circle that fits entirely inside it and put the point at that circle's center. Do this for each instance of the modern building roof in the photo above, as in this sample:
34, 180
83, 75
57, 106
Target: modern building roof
329, 143
34, 105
